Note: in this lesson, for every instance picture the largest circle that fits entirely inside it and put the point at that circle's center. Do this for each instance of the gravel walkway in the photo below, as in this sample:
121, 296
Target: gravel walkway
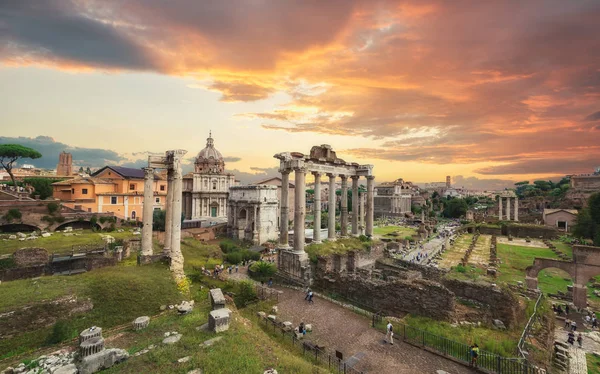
340, 329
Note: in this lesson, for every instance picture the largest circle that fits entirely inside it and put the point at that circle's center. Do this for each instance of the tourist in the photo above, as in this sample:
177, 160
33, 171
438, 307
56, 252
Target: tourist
270, 282
594, 322
474, 354
567, 309
237, 267
389, 334
588, 319
310, 296
580, 340
571, 338
567, 323
554, 308
302, 329
573, 326
559, 310
307, 292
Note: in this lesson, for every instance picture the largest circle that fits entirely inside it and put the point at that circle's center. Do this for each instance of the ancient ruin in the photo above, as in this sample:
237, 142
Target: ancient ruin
507, 196
293, 261
172, 246
253, 213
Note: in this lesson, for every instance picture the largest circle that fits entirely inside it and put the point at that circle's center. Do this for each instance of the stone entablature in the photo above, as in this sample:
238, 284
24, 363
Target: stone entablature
253, 213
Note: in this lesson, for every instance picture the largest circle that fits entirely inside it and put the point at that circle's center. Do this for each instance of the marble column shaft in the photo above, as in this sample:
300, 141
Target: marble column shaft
176, 224
500, 208
169, 214
516, 208
508, 208
331, 205
284, 219
299, 209
362, 212
344, 204
355, 205
370, 206
317, 209
148, 212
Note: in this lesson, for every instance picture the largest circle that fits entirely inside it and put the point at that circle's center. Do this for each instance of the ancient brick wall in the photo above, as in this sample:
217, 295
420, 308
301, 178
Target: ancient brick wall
394, 297
30, 256
398, 265
22, 273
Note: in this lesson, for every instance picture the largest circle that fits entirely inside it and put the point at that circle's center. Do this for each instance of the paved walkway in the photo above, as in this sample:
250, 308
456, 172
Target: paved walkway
340, 329
577, 360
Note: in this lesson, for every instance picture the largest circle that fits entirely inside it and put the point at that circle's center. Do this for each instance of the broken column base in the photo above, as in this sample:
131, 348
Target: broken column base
294, 265
218, 320
149, 259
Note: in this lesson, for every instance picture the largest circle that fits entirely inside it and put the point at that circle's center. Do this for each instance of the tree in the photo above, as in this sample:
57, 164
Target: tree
81, 170
455, 208
9, 153
88, 171
41, 186
587, 223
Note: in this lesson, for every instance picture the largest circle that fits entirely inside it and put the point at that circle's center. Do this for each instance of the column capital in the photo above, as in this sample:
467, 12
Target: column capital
344, 177
149, 172
331, 175
285, 171
317, 173
355, 177
370, 177
301, 169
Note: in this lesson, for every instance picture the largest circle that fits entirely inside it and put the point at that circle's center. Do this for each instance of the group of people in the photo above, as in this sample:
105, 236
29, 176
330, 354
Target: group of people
559, 309
571, 338
309, 295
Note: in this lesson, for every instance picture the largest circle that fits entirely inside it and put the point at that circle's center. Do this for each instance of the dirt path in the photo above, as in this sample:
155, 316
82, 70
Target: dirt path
340, 329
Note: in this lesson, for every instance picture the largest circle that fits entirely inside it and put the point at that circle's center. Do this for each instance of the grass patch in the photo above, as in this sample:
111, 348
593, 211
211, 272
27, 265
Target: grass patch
339, 246
60, 243
515, 259
503, 343
563, 247
593, 363
394, 231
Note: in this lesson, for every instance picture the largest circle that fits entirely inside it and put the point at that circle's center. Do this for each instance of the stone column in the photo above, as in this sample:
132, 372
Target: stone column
508, 208
362, 213
148, 211
169, 214
284, 219
331, 205
344, 215
500, 208
234, 228
355, 205
370, 196
299, 209
255, 238
516, 209
176, 256
317, 209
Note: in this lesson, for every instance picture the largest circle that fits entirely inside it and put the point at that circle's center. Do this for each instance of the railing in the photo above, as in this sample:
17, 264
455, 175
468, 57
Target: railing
317, 354
528, 327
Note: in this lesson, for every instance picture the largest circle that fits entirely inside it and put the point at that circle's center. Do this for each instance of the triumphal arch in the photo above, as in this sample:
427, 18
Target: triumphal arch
322, 161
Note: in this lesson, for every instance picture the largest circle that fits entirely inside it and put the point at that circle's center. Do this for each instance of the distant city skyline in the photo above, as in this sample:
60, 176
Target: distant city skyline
490, 93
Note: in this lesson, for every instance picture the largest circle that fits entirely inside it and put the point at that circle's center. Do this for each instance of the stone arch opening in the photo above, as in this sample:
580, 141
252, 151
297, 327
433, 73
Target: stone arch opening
554, 281
18, 227
85, 225
242, 214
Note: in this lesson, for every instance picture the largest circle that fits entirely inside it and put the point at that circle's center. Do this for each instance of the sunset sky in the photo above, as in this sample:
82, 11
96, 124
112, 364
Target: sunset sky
488, 92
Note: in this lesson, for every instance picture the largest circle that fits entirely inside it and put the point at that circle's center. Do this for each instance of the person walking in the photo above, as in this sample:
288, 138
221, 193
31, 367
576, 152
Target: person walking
567, 323
270, 282
567, 309
310, 296
580, 340
573, 326
389, 333
474, 354
307, 292
237, 267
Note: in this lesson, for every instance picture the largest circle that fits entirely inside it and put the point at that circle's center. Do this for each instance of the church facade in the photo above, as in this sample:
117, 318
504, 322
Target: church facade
206, 189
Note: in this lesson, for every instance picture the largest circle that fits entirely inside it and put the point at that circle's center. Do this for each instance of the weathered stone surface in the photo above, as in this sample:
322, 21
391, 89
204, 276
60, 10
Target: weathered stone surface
272, 317
287, 326
274, 309
185, 307
195, 371
212, 341
218, 320
172, 339
91, 346
141, 323
31, 256
92, 332
308, 327
46, 235
217, 299
68, 369
270, 371
102, 360
184, 359
262, 314
499, 324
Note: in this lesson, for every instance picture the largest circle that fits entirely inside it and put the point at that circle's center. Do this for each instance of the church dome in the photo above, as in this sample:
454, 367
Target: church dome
209, 160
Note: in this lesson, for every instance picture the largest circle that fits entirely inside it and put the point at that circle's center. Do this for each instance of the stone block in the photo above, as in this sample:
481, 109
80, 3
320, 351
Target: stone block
261, 314
287, 326
218, 320
185, 307
308, 327
212, 341
272, 317
274, 309
141, 323
102, 360
172, 339
91, 346
217, 299
67, 369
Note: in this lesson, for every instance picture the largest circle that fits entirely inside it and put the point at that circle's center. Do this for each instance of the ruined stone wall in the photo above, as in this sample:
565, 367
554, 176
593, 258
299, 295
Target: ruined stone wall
397, 265
393, 297
22, 273
364, 258
521, 231
501, 303
30, 256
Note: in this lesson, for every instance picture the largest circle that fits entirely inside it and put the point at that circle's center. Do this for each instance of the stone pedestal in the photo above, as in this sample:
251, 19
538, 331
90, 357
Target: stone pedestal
90, 333
141, 323
294, 265
217, 300
218, 320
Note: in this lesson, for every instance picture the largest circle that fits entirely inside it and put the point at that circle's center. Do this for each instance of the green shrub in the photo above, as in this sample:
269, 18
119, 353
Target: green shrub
102, 220
246, 294
61, 331
111, 228
461, 269
59, 219
234, 257
250, 255
12, 214
364, 238
52, 207
48, 219
7, 263
228, 246
263, 270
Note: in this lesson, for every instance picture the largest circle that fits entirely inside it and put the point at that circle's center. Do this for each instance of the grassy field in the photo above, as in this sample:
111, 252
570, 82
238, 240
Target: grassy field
563, 247
515, 259
394, 231
60, 243
339, 246
593, 363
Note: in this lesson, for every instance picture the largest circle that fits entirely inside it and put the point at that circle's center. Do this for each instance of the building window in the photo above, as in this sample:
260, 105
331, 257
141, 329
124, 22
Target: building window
133, 214
84, 191
113, 200
72, 190
214, 185
162, 187
132, 186
157, 200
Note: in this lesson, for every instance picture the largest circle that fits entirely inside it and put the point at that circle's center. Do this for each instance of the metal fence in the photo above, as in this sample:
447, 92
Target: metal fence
486, 361
310, 351
527, 329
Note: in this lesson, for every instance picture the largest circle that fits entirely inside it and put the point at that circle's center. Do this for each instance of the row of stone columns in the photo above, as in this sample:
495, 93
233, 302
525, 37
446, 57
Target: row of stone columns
508, 203
300, 207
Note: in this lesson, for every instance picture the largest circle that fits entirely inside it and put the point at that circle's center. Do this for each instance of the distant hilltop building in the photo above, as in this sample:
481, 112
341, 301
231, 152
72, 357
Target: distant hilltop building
65, 164
448, 181
586, 181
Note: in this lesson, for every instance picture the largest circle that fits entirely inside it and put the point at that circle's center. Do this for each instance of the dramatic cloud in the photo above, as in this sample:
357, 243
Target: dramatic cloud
50, 149
511, 83
232, 159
